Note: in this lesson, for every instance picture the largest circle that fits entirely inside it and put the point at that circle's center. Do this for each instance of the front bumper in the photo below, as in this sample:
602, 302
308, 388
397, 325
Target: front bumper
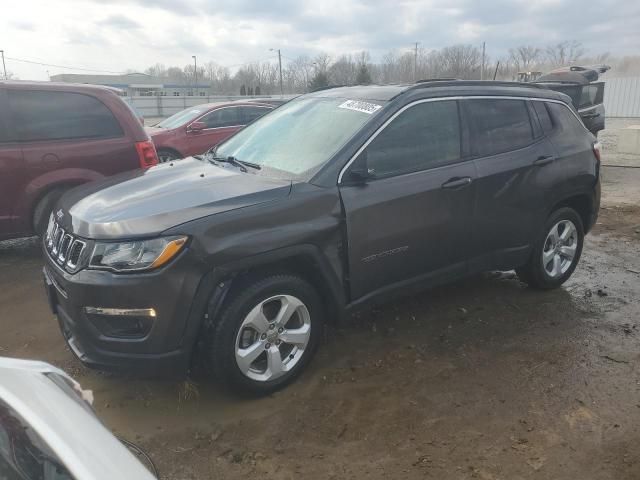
163, 348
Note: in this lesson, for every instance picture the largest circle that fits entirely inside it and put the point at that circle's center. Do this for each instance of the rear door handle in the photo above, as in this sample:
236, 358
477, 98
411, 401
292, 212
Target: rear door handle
541, 161
457, 182
590, 115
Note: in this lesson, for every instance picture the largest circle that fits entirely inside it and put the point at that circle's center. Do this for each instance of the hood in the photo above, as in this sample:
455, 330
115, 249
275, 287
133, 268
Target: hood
147, 202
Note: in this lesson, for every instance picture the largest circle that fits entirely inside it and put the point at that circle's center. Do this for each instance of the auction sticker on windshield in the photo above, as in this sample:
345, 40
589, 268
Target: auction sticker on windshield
359, 106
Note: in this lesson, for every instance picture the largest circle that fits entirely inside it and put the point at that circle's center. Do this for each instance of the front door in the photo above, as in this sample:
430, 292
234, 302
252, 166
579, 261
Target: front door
409, 215
219, 125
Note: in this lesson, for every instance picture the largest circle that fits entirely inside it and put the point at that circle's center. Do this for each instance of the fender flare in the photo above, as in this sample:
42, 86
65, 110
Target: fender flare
215, 285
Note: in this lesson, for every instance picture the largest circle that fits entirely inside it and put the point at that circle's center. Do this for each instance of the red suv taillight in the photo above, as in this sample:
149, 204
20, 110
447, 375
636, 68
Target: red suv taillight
146, 154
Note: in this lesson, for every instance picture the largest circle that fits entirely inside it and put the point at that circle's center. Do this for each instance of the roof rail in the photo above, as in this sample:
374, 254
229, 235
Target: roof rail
464, 83
328, 87
426, 80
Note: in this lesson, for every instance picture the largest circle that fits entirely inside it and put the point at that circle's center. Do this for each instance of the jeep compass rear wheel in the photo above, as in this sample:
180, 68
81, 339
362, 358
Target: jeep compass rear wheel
266, 334
557, 252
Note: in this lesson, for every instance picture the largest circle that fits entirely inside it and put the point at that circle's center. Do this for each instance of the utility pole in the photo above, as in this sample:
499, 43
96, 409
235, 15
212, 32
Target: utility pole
482, 67
415, 63
4, 67
279, 67
195, 72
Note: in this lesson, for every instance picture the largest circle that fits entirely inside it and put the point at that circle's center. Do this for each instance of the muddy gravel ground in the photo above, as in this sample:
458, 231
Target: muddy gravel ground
480, 379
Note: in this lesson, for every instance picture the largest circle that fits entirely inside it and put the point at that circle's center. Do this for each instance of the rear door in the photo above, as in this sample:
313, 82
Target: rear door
249, 114
67, 138
517, 170
12, 170
412, 218
220, 124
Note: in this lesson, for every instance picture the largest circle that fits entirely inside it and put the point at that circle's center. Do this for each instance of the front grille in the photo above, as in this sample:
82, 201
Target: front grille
63, 247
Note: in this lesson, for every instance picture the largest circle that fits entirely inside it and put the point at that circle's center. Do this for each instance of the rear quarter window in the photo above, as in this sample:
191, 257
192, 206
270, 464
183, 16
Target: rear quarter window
47, 115
567, 127
498, 125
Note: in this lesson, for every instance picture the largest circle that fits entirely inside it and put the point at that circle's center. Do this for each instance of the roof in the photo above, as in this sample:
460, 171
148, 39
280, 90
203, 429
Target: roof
224, 103
32, 84
139, 80
437, 88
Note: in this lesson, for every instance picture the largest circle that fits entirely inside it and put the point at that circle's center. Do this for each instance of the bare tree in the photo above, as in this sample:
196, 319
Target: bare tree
321, 62
157, 70
176, 74
564, 53
343, 71
460, 61
297, 74
524, 57
363, 75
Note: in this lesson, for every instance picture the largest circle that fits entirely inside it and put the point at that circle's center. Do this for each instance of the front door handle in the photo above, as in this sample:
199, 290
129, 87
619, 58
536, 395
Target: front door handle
457, 182
590, 115
541, 161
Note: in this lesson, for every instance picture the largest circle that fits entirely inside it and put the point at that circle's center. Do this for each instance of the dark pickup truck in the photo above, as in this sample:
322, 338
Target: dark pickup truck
335, 200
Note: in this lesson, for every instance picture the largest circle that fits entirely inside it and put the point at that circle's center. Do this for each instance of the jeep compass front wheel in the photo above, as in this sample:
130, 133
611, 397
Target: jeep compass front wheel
266, 334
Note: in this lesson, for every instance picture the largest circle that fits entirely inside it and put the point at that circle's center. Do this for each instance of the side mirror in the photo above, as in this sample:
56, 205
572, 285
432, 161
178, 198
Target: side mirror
197, 127
359, 172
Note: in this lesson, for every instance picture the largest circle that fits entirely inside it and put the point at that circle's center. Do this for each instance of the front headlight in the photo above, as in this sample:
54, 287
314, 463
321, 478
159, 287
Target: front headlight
136, 255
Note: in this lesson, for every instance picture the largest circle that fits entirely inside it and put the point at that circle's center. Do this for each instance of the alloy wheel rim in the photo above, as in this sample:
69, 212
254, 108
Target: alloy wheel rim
272, 338
560, 247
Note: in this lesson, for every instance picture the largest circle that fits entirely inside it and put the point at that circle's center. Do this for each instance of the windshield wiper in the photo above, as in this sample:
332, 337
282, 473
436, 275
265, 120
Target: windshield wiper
238, 163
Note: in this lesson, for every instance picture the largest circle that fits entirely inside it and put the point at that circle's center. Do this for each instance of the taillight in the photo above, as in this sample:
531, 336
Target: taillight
596, 150
146, 154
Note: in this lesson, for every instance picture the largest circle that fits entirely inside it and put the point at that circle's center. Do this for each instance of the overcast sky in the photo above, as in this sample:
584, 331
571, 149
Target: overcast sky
117, 35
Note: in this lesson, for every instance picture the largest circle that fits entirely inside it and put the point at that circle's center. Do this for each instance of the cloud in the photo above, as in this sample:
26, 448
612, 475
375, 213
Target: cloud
137, 33
119, 22
23, 25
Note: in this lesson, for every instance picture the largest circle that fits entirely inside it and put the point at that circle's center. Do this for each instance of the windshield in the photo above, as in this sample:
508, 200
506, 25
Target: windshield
300, 136
181, 118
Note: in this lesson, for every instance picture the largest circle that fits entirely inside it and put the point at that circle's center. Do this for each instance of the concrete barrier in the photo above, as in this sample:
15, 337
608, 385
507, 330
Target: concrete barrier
629, 140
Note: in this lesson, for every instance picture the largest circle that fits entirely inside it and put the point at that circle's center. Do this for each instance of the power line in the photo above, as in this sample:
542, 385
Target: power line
86, 69
62, 66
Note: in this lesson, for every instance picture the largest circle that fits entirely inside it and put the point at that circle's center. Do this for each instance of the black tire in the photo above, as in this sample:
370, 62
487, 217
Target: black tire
165, 155
220, 344
534, 273
43, 210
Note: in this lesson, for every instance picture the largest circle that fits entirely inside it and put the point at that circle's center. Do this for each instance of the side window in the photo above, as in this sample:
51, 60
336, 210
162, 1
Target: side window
45, 115
498, 125
249, 114
223, 117
566, 123
424, 136
543, 116
23, 454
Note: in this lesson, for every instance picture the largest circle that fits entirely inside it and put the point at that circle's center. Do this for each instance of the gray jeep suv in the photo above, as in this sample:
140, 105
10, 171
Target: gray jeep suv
337, 199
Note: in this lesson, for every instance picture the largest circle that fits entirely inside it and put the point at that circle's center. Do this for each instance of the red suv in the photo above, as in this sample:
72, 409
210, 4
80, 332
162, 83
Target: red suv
56, 136
196, 129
